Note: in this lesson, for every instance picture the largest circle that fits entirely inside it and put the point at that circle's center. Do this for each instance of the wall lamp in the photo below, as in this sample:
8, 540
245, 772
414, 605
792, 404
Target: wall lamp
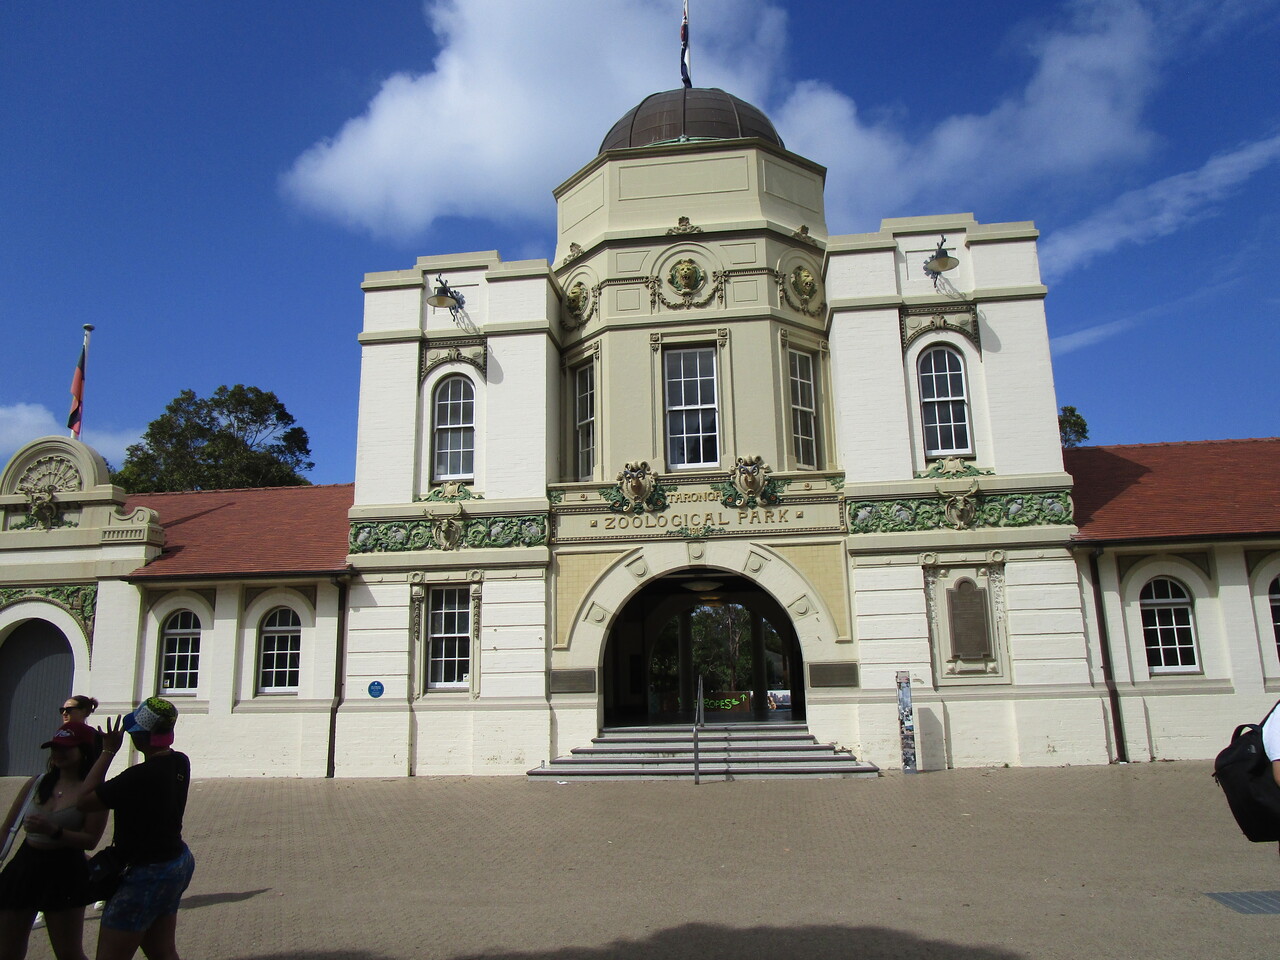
447, 297
940, 262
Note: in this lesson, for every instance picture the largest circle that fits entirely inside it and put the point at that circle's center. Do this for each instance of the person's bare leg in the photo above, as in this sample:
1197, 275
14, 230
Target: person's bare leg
66, 933
15, 930
118, 944
159, 942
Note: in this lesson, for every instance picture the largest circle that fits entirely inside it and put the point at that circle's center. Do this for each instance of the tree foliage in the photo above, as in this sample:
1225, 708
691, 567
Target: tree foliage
239, 437
1072, 427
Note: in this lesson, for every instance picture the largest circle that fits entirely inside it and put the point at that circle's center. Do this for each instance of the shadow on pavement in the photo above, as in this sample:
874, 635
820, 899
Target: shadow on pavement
210, 899
698, 941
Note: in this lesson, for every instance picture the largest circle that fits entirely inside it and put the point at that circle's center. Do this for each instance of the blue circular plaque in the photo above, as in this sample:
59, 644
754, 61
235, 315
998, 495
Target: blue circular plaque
375, 689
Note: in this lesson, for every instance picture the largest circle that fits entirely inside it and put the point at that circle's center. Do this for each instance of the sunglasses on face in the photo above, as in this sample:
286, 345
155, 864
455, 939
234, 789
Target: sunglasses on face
69, 709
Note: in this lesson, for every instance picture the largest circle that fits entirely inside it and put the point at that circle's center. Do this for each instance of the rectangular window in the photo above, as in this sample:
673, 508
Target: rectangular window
449, 638
693, 428
804, 411
584, 406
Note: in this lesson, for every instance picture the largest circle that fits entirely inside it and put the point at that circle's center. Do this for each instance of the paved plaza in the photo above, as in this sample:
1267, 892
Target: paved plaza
987, 864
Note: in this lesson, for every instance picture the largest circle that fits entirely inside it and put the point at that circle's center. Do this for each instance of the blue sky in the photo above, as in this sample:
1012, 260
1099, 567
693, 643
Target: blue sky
208, 183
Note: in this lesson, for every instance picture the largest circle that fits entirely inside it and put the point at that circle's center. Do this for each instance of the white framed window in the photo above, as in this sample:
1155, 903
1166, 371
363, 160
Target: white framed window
449, 638
1168, 627
944, 402
279, 651
692, 410
1274, 597
180, 653
584, 420
453, 422
804, 408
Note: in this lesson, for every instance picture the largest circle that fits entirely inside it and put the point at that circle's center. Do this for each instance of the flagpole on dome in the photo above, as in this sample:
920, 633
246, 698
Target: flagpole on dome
684, 47
76, 415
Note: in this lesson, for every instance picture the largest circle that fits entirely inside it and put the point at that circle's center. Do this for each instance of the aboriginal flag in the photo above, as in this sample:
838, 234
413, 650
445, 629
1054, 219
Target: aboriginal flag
684, 47
77, 396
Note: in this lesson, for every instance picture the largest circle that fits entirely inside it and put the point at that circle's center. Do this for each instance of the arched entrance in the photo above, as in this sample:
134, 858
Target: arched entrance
702, 623
36, 669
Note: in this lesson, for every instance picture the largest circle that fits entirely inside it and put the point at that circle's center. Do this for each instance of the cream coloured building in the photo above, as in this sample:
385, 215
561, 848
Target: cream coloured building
703, 401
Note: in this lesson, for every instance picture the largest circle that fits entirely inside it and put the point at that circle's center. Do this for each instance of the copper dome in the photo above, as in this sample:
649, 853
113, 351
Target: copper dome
689, 113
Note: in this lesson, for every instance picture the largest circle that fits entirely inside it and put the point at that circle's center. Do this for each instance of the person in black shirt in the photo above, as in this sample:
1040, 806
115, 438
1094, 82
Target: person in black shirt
149, 800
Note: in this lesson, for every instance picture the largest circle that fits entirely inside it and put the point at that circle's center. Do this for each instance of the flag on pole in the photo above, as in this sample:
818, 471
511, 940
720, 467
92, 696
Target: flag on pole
77, 388
684, 47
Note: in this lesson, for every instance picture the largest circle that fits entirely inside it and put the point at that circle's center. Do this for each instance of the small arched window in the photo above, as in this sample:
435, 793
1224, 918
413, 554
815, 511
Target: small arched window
180, 653
1275, 611
1168, 627
453, 423
280, 652
944, 402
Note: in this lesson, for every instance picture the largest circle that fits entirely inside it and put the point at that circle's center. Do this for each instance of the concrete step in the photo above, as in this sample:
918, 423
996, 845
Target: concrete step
725, 752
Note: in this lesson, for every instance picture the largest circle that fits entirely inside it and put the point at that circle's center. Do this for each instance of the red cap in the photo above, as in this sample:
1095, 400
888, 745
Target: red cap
73, 733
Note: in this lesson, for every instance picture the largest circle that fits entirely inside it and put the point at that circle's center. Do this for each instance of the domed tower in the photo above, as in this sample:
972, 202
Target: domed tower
693, 238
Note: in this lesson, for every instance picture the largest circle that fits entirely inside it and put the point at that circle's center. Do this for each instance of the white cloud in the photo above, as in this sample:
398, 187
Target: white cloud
1156, 210
1080, 109
519, 95
20, 423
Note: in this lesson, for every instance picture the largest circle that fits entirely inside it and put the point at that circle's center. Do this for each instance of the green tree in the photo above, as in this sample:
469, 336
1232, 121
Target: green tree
239, 437
1071, 427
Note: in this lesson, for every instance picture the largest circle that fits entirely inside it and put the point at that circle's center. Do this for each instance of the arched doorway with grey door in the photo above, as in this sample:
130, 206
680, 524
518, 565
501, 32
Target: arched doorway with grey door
36, 670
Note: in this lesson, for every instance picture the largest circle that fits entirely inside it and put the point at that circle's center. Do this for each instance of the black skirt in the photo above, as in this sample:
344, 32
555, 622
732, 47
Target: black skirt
46, 880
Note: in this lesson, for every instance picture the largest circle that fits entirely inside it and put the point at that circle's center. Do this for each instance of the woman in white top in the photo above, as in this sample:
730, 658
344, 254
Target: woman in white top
48, 873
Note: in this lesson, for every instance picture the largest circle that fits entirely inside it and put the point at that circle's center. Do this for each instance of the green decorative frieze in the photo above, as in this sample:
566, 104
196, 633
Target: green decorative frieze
555, 496
949, 467
974, 510
78, 599
472, 533
449, 493
32, 522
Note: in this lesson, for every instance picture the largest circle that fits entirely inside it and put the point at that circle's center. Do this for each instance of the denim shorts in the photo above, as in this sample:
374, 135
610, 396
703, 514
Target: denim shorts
148, 892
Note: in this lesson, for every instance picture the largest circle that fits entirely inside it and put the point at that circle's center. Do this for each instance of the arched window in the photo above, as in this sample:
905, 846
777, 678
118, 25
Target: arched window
454, 430
1275, 611
944, 402
279, 652
180, 653
1168, 627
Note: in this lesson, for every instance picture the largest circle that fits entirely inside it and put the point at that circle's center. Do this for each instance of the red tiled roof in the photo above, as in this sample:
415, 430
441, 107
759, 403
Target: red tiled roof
1209, 488
272, 530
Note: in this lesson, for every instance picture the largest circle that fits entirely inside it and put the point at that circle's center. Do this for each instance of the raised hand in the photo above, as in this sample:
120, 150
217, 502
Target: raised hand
113, 736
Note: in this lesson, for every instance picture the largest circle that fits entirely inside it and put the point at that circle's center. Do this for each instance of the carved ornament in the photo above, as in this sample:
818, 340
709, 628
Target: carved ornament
472, 350
41, 483
683, 226
804, 284
802, 234
749, 486
915, 321
580, 305
637, 490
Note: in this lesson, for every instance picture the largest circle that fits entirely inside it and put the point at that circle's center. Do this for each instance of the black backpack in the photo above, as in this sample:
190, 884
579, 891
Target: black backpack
1244, 773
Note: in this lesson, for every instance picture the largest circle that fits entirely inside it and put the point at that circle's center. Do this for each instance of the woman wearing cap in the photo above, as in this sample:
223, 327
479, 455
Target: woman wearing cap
149, 800
48, 872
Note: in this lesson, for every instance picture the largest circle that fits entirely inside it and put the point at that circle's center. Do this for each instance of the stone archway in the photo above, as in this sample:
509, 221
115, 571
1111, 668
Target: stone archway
583, 649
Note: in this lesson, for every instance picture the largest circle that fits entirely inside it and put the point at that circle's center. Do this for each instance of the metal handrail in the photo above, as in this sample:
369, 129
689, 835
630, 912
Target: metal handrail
699, 720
